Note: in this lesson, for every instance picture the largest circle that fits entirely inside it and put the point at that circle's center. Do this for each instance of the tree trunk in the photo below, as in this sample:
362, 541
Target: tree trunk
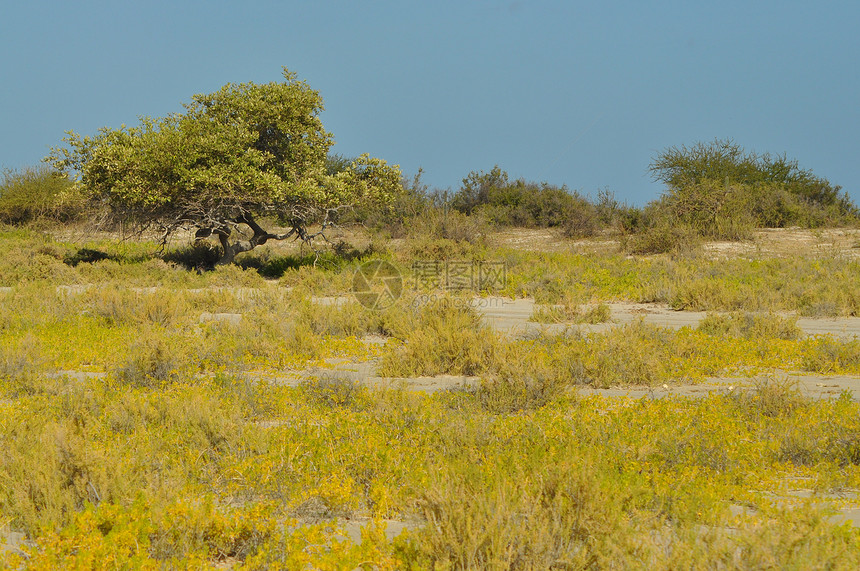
260, 237
230, 251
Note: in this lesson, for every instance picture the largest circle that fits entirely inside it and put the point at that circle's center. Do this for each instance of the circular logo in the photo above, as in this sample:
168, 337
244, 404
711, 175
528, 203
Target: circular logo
377, 284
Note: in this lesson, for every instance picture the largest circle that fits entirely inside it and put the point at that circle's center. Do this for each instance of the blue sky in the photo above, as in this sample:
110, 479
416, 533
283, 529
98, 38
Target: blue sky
575, 93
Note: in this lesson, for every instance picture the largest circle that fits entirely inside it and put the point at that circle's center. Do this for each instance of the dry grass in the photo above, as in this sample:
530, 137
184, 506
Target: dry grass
171, 452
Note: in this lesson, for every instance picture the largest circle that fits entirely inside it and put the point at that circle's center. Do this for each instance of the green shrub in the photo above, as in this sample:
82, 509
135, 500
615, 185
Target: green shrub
445, 224
23, 367
571, 313
396, 219
153, 361
334, 391
527, 204
770, 397
514, 393
829, 354
723, 191
200, 256
448, 338
751, 326
665, 238
581, 218
38, 193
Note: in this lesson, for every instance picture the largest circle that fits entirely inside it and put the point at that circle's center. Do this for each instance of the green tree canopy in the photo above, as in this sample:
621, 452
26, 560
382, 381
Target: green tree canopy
235, 156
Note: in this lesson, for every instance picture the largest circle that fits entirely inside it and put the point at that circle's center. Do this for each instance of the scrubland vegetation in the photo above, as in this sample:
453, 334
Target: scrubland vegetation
182, 404
154, 416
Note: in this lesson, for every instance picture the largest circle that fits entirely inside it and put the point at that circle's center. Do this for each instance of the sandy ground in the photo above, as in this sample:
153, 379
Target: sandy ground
771, 242
511, 316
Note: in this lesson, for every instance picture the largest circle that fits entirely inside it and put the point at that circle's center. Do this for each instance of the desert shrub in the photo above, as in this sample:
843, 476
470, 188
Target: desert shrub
828, 354
780, 404
24, 368
560, 516
614, 215
448, 338
19, 358
437, 231
628, 355
200, 255
723, 191
447, 224
600, 313
633, 354
204, 529
713, 209
507, 393
259, 338
395, 219
526, 204
436, 249
38, 193
571, 313
347, 318
232, 275
334, 391
32, 257
581, 219
552, 314
751, 326
770, 397
665, 237
153, 361
552, 286
123, 306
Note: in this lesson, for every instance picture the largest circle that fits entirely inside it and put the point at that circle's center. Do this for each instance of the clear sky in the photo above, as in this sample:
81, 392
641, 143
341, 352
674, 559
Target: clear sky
575, 93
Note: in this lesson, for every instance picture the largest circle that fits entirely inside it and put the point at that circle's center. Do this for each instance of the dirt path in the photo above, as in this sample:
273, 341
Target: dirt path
511, 316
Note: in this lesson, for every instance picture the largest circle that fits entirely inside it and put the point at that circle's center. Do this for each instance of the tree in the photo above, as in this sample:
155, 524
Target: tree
234, 157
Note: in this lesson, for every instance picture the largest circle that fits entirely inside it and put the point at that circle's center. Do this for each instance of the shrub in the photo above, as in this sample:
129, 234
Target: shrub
664, 238
409, 205
200, 256
334, 391
446, 224
153, 361
515, 393
828, 355
527, 204
581, 218
449, 338
572, 313
38, 193
722, 190
771, 397
751, 326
